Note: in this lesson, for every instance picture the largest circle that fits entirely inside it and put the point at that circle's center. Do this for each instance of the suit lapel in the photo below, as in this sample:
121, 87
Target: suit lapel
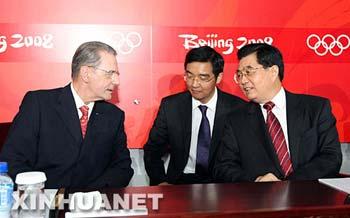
256, 120
186, 116
97, 121
66, 108
95, 117
258, 125
219, 120
294, 122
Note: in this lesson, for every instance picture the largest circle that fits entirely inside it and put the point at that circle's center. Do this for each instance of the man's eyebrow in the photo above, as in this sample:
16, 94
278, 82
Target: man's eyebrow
245, 67
204, 74
249, 66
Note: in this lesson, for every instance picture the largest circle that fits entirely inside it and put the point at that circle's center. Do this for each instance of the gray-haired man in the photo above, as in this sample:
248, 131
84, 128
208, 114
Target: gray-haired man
71, 133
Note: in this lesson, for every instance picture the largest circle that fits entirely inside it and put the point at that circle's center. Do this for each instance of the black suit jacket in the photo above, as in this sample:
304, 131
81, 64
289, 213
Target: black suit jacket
246, 150
46, 136
171, 132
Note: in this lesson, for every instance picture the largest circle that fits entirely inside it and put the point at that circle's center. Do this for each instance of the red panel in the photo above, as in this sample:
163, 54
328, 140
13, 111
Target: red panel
17, 78
135, 99
332, 81
52, 43
76, 12
153, 67
297, 45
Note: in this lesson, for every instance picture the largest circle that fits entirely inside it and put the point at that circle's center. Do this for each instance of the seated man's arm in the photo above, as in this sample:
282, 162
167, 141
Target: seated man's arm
119, 172
156, 147
327, 161
20, 146
227, 167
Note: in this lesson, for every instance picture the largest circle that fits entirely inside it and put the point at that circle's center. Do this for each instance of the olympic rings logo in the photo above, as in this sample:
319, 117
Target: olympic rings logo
125, 44
335, 47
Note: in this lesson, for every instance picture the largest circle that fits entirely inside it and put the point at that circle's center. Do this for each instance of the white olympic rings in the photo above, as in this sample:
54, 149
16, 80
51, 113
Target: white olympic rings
125, 44
321, 43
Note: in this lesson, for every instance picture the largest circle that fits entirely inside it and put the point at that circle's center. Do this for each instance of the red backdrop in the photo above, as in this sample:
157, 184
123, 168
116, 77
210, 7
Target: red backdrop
38, 39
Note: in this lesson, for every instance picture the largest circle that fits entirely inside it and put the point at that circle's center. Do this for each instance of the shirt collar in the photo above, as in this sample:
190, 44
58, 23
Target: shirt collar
211, 104
279, 100
78, 101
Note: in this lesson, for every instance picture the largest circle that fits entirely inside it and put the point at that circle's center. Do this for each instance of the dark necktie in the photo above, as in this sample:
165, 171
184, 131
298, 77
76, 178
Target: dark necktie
278, 139
84, 119
203, 143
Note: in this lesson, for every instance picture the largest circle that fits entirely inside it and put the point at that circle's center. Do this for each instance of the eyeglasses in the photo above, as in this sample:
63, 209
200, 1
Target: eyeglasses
108, 73
248, 72
201, 78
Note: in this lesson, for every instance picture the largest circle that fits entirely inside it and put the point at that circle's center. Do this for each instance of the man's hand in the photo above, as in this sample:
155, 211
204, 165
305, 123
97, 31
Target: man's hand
164, 183
269, 177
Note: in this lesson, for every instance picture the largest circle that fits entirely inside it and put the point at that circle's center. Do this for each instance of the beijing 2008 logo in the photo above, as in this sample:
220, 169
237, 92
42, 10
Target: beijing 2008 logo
125, 43
328, 43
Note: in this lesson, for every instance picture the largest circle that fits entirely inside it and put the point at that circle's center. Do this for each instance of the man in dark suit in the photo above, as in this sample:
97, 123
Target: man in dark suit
278, 135
71, 133
189, 124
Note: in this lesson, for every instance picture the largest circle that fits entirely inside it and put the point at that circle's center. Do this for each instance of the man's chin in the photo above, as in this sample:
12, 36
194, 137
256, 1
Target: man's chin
249, 96
107, 98
197, 97
202, 99
108, 95
254, 99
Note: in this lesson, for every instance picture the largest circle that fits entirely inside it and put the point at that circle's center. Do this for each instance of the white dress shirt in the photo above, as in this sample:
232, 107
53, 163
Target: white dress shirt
79, 102
280, 111
196, 121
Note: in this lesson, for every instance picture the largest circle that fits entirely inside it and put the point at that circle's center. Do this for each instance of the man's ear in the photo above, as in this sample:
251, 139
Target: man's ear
84, 73
275, 71
219, 78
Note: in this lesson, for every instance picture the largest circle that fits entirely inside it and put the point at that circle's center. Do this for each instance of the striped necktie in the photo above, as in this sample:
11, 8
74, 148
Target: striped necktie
84, 119
278, 139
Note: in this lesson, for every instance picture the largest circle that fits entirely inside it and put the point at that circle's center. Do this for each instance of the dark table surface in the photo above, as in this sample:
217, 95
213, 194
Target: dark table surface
271, 199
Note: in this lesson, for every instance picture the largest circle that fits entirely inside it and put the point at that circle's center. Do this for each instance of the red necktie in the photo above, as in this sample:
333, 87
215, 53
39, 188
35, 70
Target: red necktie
278, 139
84, 119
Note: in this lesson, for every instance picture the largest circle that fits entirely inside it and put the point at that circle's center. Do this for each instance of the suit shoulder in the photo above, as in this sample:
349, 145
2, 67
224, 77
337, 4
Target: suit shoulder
110, 107
311, 103
44, 95
231, 98
311, 99
240, 112
44, 92
175, 98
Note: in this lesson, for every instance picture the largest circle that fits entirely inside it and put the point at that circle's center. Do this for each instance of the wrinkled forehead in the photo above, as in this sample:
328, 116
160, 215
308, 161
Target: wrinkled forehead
108, 60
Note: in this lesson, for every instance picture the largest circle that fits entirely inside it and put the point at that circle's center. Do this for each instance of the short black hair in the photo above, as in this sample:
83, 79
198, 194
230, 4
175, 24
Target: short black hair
206, 54
267, 55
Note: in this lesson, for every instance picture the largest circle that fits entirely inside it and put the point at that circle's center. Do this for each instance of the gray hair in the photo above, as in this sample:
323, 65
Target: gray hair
88, 55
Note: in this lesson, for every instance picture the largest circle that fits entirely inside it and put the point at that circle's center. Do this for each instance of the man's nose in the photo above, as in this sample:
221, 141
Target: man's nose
115, 79
196, 82
244, 79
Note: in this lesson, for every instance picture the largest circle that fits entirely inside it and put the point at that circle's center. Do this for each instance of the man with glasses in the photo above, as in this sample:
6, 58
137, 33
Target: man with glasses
71, 133
278, 135
189, 124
